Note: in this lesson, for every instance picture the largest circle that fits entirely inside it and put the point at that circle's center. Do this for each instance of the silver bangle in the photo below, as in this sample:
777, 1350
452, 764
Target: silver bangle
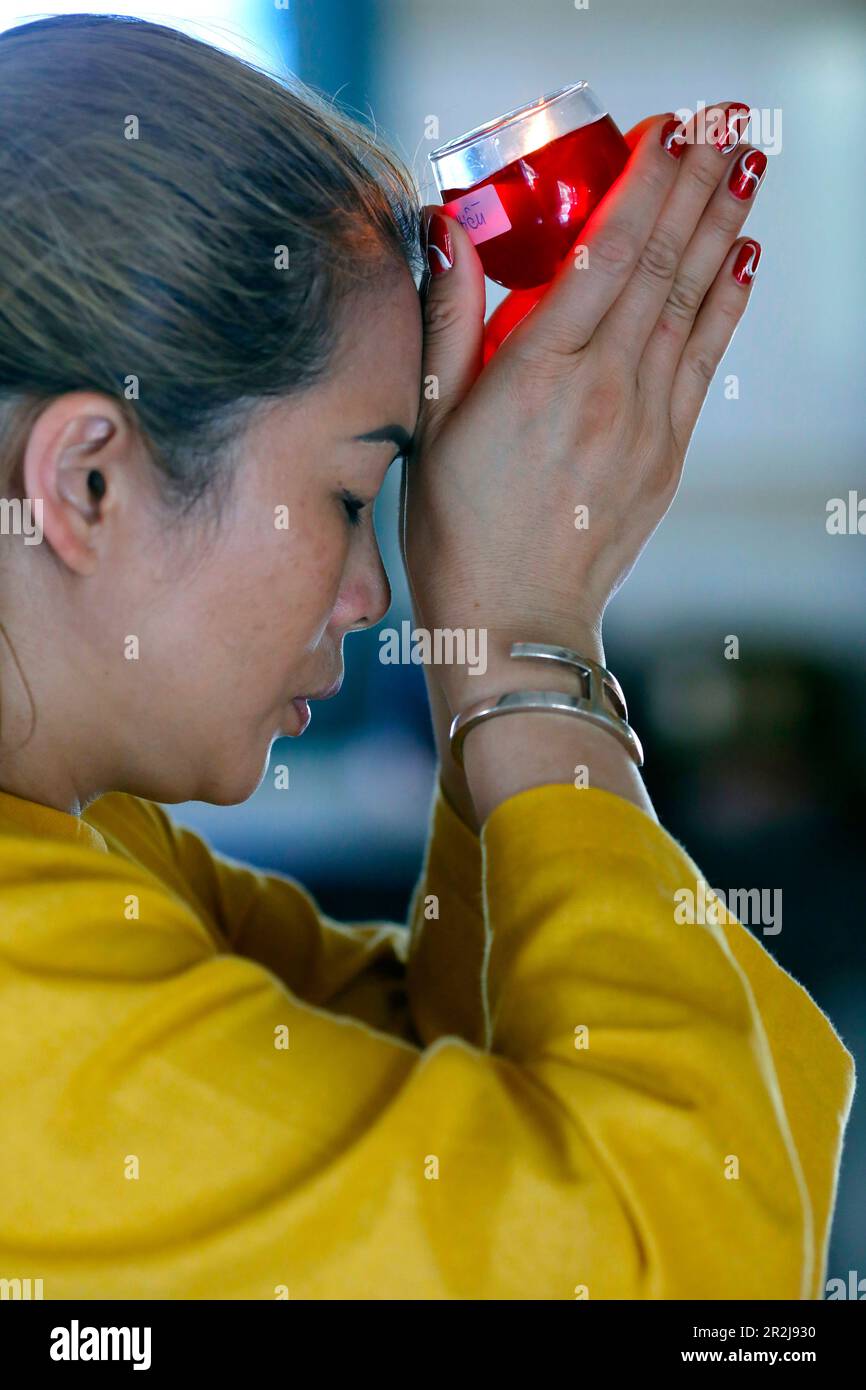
595, 682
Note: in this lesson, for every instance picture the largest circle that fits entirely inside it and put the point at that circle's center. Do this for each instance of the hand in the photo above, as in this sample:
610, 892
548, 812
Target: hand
590, 403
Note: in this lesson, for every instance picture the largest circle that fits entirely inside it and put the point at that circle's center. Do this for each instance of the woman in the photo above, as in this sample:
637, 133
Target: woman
211, 345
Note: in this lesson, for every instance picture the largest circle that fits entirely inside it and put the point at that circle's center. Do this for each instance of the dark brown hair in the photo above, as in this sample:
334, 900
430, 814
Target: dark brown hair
147, 184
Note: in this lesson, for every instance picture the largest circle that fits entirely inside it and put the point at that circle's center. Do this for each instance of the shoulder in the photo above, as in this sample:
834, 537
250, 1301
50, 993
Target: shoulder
135, 827
215, 887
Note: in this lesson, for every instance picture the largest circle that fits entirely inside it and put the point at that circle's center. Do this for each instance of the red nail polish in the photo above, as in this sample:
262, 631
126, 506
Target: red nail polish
737, 116
673, 138
747, 173
440, 255
747, 262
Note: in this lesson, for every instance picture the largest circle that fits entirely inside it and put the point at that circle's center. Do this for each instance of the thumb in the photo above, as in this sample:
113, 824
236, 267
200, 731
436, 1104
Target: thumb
633, 137
453, 301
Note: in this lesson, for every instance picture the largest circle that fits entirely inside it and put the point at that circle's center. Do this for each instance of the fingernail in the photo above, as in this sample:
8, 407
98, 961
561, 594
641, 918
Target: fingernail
747, 262
736, 115
440, 256
673, 137
747, 173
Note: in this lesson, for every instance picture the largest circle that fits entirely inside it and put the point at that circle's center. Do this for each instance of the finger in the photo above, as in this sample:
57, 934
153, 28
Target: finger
705, 148
721, 223
453, 300
631, 137
595, 273
714, 328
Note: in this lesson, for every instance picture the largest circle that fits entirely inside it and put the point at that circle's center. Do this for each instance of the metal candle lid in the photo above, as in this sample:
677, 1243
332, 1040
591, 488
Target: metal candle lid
488, 148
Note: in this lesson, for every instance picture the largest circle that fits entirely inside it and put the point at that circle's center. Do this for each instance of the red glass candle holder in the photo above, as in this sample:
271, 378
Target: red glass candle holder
524, 184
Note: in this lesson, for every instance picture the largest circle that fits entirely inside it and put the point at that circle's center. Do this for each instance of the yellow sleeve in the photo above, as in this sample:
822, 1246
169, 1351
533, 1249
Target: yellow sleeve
355, 968
815, 1074
814, 1071
203, 1133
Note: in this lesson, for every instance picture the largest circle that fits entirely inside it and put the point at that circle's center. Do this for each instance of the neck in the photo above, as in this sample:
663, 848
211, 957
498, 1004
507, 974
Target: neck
41, 747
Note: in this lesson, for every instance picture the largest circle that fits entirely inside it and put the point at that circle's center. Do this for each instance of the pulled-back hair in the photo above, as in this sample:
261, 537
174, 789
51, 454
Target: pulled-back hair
178, 230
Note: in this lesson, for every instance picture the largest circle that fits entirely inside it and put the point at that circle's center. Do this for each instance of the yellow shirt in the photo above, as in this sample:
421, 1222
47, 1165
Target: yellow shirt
547, 1088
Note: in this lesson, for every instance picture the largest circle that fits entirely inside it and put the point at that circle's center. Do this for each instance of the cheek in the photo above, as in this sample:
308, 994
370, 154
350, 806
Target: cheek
254, 620
304, 587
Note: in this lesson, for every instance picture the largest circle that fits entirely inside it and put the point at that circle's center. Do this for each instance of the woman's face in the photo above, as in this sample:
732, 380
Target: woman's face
166, 658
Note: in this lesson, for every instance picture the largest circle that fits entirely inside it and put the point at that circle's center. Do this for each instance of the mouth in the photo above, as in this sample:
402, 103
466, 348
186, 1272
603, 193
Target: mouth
327, 694
302, 710
301, 706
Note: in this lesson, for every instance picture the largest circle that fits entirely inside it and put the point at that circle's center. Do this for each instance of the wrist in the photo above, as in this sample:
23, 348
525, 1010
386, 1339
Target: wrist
452, 779
502, 672
455, 790
506, 756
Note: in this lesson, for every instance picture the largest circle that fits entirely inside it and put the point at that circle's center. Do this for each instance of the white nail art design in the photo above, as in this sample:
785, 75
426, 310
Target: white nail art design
747, 172
443, 259
748, 269
735, 130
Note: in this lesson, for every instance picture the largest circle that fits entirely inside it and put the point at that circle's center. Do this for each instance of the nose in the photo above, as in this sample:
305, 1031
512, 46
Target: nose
371, 594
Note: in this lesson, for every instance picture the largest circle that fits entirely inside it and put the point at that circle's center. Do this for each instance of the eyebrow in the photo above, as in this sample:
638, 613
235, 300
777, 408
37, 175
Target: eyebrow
396, 433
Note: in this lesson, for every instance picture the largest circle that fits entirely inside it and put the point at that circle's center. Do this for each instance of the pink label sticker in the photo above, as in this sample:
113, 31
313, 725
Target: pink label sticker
481, 213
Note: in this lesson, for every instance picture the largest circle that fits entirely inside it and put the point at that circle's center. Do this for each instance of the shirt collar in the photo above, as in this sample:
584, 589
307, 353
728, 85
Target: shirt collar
17, 813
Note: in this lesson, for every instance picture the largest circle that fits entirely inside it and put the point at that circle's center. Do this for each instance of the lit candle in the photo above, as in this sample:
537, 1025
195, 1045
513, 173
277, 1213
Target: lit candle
523, 185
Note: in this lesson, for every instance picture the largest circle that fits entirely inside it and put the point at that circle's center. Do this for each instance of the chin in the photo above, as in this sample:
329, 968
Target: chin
227, 782
235, 784
219, 769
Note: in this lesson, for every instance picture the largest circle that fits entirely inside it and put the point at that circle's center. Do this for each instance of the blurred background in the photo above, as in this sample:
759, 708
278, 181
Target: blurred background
758, 764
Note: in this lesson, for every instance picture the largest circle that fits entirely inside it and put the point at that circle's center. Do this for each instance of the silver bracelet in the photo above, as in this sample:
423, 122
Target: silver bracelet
595, 682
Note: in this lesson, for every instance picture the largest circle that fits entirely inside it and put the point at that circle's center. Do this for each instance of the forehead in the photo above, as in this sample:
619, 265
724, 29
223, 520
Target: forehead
374, 379
376, 374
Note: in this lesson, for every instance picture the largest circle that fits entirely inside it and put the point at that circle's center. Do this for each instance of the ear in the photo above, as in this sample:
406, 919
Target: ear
77, 433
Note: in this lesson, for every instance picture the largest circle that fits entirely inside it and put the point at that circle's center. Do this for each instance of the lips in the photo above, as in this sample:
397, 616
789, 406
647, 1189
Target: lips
326, 694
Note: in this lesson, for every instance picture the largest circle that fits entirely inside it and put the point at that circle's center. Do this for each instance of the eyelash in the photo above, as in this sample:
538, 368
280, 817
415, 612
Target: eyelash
354, 506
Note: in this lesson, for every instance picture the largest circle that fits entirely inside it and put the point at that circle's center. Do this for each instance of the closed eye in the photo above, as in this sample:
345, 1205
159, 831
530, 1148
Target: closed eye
354, 506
